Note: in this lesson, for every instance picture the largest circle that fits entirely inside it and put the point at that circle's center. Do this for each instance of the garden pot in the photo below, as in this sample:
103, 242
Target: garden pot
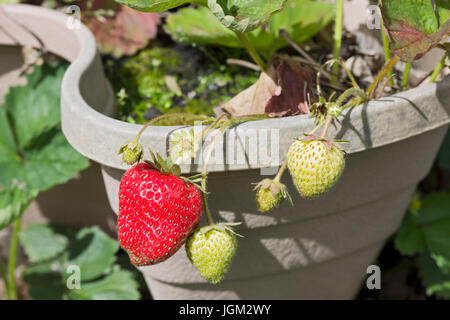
316, 249
82, 201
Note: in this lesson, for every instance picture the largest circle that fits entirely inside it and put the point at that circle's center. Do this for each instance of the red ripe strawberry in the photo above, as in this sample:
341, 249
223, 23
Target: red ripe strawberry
157, 212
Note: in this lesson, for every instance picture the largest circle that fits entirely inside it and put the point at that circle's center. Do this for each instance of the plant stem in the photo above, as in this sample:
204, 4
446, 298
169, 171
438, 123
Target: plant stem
326, 126
12, 291
388, 66
5, 278
387, 52
438, 69
205, 171
337, 37
168, 115
405, 81
251, 50
281, 171
316, 128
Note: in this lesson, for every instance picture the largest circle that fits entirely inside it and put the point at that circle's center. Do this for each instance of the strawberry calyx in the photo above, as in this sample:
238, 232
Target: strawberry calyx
221, 226
167, 166
132, 152
329, 144
275, 187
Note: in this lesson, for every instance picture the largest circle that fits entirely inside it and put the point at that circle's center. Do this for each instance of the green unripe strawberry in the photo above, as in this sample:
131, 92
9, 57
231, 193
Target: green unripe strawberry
269, 194
131, 152
211, 250
315, 165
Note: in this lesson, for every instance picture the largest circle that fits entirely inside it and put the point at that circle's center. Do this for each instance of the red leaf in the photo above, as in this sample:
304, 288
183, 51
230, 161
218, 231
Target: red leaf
125, 32
410, 44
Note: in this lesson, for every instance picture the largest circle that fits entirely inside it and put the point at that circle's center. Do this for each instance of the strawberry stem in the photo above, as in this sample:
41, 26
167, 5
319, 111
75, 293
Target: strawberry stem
338, 26
388, 66
438, 69
205, 171
12, 291
251, 50
280, 171
316, 128
168, 115
326, 126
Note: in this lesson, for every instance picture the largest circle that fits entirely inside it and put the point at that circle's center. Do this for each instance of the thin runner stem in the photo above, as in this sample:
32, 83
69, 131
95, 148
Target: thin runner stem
205, 171
326, 126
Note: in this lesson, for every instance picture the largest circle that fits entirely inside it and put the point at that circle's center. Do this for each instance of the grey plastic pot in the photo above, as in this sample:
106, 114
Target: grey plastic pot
316, 249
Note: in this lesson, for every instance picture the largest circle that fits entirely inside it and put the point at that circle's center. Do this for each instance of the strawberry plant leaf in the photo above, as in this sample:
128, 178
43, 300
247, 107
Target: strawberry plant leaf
34, 108
13, 202
302, 19
414, 27
410, 239
443, 159
44, 280
124, 31
33, 149
245, 15
157, 5
119, 285
200, 26
442, 263
435, 280
42, 242
93, 251
428, 228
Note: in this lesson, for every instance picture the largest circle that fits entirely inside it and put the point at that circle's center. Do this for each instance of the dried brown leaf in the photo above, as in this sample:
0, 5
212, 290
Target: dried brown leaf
283, 90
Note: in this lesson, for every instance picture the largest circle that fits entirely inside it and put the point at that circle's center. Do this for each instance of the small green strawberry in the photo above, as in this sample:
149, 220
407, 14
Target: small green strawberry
131, 152
269, 194
211, 250
315, 165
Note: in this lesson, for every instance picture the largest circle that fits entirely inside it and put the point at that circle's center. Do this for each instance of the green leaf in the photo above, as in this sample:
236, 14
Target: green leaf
414, 27
119, 285
428, 228
45, 281
244, 15
39, 156
34, 108
442, 263
199, 26
156, 5
93, 251
42, 242
7, 144
410, 238
436, 282
13, 202
443, 159
301, 21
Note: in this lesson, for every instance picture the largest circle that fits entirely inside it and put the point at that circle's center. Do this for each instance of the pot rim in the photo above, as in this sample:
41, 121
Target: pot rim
94, 133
